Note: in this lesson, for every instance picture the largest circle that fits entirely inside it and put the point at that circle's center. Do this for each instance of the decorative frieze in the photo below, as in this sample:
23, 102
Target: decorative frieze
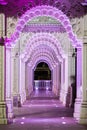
43, 28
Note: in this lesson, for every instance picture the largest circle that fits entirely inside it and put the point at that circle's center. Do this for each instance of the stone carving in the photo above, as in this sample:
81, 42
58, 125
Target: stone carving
46, 11
77, 25
16, 9
44, 20
11, 24
64, 41
43, 24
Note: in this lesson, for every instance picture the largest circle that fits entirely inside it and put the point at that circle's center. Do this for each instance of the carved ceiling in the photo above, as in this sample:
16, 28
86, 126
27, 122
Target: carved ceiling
72, 8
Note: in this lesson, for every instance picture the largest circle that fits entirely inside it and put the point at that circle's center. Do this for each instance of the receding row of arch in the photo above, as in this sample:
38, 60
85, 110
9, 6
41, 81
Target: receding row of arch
45, 41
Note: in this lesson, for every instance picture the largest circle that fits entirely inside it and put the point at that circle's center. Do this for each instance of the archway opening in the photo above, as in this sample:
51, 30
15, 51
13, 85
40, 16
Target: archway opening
42, 77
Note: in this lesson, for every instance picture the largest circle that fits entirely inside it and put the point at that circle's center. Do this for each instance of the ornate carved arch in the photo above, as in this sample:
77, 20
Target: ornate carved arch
45, 11
43, 39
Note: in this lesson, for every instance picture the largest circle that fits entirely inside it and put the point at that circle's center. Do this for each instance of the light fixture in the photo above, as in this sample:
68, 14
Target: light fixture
36, 88
63, 122
47, 88
22, 123
84, 3
3, 2
23, 118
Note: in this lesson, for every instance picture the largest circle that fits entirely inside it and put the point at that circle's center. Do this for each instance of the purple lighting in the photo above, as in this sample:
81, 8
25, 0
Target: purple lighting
47, 88
23, 118
36, 88
3, 2
22, 123
63, 122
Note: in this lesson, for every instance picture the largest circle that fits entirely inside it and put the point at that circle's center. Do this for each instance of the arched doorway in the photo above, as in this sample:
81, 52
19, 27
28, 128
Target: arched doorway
42, 77
75, 43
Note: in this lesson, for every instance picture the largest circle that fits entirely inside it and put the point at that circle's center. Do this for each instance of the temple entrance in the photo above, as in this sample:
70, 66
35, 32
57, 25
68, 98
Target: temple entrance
22, 78
42, 77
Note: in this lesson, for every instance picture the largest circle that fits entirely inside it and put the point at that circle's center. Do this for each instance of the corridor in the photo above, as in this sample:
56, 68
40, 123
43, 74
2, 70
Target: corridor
43, 111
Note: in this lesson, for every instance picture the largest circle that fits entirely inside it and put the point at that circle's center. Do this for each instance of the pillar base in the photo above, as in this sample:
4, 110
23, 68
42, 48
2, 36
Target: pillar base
3, 113
10, 108
16, 100
77, 108
63, 97
83, 113
23, 97
55, 91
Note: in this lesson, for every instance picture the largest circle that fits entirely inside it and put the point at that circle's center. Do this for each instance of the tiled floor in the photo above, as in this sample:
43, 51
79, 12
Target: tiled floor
43, 112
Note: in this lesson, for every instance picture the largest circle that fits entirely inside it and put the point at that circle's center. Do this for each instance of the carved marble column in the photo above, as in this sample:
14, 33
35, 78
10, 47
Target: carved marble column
77, 108
54, 79
3, 107
30, 79
66, 78
27, 80
16, 83
8, 83
57, 80
22, 90
83, 91
62, 89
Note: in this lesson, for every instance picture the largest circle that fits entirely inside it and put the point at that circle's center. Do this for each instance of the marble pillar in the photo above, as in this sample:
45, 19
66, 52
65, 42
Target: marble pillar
16, 83
27, 81
57, 80
22, 90
78, 100
65, 79
8, 83
54, 79
3, 106
83, 91
62, 89
30, 79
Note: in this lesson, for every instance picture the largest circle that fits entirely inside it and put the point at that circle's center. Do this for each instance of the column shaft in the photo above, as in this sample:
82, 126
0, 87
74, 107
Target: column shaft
83, 111
78, 99
8, 83
3, 107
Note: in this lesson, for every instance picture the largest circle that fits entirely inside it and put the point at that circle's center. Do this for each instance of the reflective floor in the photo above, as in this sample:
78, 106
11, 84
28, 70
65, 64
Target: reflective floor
43, 111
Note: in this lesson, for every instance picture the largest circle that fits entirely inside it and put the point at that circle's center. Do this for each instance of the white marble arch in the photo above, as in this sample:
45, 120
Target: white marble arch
41, 47
43, 39
40, 44
45, 11
58, 15
62, 85
43, 50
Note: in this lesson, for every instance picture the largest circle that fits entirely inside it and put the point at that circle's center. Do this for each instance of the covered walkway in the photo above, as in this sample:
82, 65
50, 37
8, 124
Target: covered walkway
43, 111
